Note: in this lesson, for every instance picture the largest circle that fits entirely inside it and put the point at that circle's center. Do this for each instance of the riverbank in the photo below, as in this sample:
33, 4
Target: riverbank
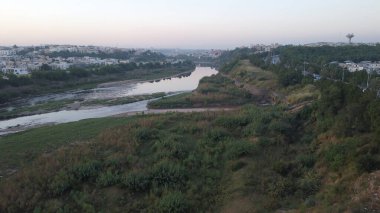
42, 83
135, 81
9, 112
75, 106
102, 102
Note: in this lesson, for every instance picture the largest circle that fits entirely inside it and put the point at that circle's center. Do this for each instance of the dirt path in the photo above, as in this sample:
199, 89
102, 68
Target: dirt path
298, 107
188, 110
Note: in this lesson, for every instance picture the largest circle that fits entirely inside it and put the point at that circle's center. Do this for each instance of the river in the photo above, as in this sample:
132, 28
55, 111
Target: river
109, 90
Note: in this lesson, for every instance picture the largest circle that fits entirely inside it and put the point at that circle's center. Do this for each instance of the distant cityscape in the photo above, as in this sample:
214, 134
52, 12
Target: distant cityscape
23, 60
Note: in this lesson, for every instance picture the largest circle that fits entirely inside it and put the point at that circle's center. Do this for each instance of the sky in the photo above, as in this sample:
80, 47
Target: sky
186, 23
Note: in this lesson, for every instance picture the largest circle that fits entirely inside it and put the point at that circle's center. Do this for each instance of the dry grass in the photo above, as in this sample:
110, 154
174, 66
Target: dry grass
250, 74
306, 93
367, 191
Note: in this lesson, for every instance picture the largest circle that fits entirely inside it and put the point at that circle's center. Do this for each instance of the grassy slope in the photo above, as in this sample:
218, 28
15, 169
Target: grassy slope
151, 159
246, 73
18, 149
224, 89
214, 91
251, 160
243, 84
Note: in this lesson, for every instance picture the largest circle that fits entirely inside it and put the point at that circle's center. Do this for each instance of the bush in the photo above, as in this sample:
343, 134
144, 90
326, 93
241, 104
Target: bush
260, 121
144, 134
307, 160
367, 163
337, 154
310, 202
232, 122
255, 129
218, 134
283, 168
288, 78
238, 165
168, 174
238, 149
173, 202
280, 127
60, 184
282, 187
83, 201
87, 170
137, 182
172, 147
107, 179
310, 184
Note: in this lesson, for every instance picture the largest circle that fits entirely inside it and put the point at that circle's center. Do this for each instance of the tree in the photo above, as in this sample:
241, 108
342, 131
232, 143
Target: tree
45, 67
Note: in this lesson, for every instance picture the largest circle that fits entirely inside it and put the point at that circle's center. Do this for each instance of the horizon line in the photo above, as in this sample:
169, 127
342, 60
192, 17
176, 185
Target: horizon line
189, 48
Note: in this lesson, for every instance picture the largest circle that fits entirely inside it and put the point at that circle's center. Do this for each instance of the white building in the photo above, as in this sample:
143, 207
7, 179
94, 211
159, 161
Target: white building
16, 71
364, 65
60, 65
351, 66
7, 52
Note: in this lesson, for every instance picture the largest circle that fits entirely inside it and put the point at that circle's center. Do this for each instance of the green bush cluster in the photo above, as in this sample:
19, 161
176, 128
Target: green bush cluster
173, 202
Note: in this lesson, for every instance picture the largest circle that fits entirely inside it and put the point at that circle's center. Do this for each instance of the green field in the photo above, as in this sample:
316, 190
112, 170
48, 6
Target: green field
20, 148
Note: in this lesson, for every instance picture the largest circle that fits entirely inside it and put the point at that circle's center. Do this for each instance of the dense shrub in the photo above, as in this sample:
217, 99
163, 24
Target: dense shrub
83, 202
280, 127
310, 184
367, 163
289, 78
137, 181
281, 187
283, 168
218, 134
232, 122
238, 165
174, 148
174, 202
167, 174
337, 154
60, 184
237, 149
144, 134
85, 170
108, 178
306, 160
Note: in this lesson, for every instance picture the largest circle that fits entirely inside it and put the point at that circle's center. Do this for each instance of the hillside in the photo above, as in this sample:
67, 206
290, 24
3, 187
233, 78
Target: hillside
304, 147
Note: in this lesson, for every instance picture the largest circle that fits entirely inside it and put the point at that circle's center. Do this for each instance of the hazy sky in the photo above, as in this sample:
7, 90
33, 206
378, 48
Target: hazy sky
186, 23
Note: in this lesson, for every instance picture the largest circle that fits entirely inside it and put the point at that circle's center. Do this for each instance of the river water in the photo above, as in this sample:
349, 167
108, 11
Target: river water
113, 90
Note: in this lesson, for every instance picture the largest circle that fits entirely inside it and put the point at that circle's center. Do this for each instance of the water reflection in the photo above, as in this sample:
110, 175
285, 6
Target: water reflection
23, 123
180, 83
172, 85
